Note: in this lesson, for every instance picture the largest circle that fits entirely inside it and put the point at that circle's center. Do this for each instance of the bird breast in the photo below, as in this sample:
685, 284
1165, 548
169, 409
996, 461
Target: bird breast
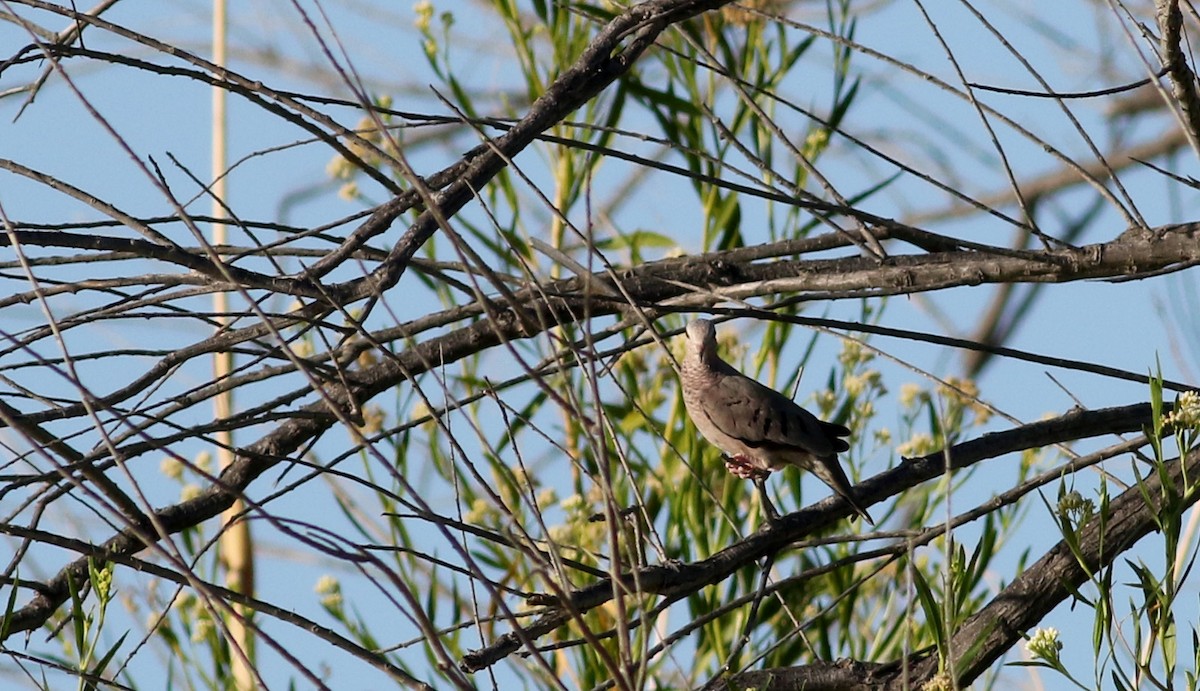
698, 383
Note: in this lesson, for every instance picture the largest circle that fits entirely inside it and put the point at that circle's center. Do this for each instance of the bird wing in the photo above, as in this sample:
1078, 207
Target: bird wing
762, 418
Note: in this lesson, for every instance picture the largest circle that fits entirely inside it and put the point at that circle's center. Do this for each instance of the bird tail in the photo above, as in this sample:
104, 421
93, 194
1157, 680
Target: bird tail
832, 431
831, 473
859, 510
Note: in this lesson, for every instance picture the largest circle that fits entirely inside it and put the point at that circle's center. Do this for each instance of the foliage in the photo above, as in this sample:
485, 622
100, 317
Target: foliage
454, 308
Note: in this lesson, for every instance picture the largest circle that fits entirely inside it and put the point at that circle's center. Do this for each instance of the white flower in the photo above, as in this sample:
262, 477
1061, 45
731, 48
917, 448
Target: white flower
1187, 410
1044, 645
941, 682
330, 591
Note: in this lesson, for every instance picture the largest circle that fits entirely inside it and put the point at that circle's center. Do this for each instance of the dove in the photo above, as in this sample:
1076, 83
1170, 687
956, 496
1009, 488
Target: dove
757, 428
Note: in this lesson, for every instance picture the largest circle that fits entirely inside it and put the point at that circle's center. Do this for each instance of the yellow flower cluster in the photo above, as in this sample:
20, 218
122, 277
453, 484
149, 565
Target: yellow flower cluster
920, 444
365, 148
424, 12
856, 385
373, 417
965, 393
912, 394
1072, 504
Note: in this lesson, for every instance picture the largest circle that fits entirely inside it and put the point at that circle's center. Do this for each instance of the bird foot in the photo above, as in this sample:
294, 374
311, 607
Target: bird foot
745, 468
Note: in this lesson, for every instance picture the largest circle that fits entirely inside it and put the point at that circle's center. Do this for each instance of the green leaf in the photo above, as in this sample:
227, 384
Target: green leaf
933, 611
78, 618
9, 606
102, 663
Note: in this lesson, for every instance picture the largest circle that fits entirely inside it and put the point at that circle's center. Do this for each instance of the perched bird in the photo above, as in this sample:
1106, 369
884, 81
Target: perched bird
757, 428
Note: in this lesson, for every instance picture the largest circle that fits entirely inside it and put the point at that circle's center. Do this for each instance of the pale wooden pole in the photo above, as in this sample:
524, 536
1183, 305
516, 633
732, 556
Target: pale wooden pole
235, 546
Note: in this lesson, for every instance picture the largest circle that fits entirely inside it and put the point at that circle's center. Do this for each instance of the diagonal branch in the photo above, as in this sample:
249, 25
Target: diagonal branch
677, 580
726, 274
1165, 248
602, 62
988, 635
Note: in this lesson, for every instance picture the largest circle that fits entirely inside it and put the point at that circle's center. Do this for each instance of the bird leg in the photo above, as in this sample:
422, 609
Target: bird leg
745, 468
760, 481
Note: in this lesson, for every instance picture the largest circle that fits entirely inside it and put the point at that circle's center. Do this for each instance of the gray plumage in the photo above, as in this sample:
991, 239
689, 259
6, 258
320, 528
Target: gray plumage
757, 428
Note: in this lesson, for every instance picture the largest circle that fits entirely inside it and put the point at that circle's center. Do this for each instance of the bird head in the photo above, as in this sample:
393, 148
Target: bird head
702, 337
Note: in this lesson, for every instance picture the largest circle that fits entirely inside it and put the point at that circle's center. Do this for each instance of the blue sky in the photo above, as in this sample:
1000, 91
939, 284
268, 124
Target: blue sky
1120, 325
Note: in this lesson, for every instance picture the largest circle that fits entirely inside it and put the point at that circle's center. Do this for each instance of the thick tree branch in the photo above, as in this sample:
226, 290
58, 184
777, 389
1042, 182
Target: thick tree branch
1058, 575
1183, 80
988, 635
718, 275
